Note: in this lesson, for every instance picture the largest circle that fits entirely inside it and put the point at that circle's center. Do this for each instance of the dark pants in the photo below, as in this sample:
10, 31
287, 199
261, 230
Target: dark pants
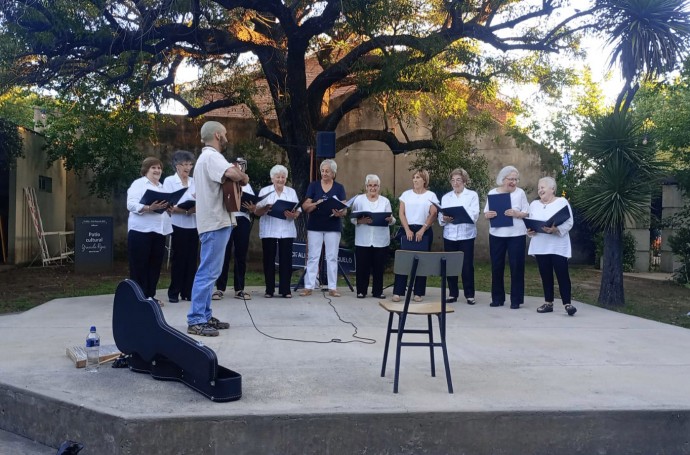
145, 251
240, 240
400, 282
284, 249
370, 261
467, 247
548, 265
185, 253
515, 247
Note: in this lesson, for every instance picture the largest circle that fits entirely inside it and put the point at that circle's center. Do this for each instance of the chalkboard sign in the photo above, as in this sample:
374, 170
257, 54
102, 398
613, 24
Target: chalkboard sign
93, 244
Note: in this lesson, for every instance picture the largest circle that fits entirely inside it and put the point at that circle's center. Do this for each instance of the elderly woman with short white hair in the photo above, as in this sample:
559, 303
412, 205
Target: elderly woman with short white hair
371, 241
323, 228
551, 247
277, 234
508, 240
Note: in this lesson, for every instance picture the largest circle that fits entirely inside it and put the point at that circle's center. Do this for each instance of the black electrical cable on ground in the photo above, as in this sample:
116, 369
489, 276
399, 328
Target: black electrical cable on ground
357, 339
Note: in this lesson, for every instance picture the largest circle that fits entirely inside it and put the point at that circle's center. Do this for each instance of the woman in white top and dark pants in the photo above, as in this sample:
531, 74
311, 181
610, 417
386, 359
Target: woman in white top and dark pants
417, 214
508, 239
551, 248
277, 234
460, 237
185, 238
371, 242
146, 229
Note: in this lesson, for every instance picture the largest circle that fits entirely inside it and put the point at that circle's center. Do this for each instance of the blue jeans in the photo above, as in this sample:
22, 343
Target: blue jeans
213, 245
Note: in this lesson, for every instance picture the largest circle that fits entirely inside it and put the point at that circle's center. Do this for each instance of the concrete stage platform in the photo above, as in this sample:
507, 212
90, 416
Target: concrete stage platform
525, 383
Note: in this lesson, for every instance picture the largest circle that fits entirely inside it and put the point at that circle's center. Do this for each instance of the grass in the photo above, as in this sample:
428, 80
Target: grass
656, 300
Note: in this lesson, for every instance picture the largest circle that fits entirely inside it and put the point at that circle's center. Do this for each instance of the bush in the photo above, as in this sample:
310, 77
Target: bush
629, 248
680, 245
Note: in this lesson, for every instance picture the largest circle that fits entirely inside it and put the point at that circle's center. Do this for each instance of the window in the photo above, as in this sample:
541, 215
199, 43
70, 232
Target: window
45, 184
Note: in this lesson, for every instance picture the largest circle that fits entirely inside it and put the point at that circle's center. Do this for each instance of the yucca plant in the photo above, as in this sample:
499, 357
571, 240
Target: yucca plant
625, 174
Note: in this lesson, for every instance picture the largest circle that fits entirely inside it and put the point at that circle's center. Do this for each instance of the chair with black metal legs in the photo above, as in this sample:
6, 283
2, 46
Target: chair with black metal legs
414, 264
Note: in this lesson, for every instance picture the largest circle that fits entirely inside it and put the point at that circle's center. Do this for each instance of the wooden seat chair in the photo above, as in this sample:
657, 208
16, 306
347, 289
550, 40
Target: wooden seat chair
414, 264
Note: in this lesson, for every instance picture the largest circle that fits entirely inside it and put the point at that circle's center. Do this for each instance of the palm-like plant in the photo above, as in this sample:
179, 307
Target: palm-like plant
625, 173
649, 37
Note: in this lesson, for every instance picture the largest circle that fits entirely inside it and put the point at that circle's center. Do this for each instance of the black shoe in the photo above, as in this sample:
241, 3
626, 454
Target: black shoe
218, 325
514, 306
471, 301
545, 308
173, 299
496, 304
380, 296
451, 299
203, 330
571, 310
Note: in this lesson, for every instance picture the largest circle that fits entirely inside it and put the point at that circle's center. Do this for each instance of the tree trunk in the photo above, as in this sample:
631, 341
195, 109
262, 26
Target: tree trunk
611, 291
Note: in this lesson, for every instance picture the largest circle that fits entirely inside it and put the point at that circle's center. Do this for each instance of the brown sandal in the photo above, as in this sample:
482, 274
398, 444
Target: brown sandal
305, 292
334, 293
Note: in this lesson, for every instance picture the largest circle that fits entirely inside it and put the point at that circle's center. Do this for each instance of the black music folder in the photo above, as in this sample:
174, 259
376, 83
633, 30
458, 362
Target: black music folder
327, 205
557, 219
280, 206
499, 203
459, 214
377, 218
252, 199
151, 196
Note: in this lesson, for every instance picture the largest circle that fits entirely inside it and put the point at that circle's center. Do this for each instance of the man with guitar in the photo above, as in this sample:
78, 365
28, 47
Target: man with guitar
213, 223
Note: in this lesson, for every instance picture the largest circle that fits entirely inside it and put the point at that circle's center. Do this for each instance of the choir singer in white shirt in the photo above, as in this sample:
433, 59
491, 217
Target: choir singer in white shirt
551, 247
460, 237
371, 242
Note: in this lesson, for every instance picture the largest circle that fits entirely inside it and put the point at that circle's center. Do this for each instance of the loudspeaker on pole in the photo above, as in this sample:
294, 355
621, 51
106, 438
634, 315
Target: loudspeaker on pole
325, 144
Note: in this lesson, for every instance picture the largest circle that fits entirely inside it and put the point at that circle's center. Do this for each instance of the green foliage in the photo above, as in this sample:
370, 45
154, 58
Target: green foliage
454, 154
625, 172
629, 249
680, 244
663, 107
99, 144
11, 144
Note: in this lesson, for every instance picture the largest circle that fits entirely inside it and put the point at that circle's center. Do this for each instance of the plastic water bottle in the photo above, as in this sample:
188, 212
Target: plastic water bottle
93, 344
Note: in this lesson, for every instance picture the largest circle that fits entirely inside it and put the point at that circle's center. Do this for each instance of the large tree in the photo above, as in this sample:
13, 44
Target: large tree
133, 51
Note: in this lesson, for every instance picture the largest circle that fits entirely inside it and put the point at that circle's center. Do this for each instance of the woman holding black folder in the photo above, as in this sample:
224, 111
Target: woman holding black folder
324, 226
371, 238
417, 213
551, 247
147, 228
507, 234
460, 236
185, 238
277, 231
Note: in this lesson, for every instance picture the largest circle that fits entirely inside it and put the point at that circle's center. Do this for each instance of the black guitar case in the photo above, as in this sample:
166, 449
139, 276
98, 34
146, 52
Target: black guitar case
140, 331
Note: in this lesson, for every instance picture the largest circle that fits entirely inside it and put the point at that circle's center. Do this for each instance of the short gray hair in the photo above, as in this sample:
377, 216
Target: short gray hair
503, 173
551, 181
209, 129
182, 156
278, 169
373, 177
331, 164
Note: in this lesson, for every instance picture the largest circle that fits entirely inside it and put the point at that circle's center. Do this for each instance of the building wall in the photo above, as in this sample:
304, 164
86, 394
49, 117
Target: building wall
22, 238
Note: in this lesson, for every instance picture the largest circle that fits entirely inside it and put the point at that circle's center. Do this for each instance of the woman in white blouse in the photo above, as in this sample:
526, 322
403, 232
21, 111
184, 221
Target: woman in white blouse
551, 248
508, 239
185, 238
146, 229
371, 242
277, 232
417, 215
460, 237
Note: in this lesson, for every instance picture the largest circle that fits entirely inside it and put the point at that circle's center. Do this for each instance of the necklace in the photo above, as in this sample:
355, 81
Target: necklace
546, 203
